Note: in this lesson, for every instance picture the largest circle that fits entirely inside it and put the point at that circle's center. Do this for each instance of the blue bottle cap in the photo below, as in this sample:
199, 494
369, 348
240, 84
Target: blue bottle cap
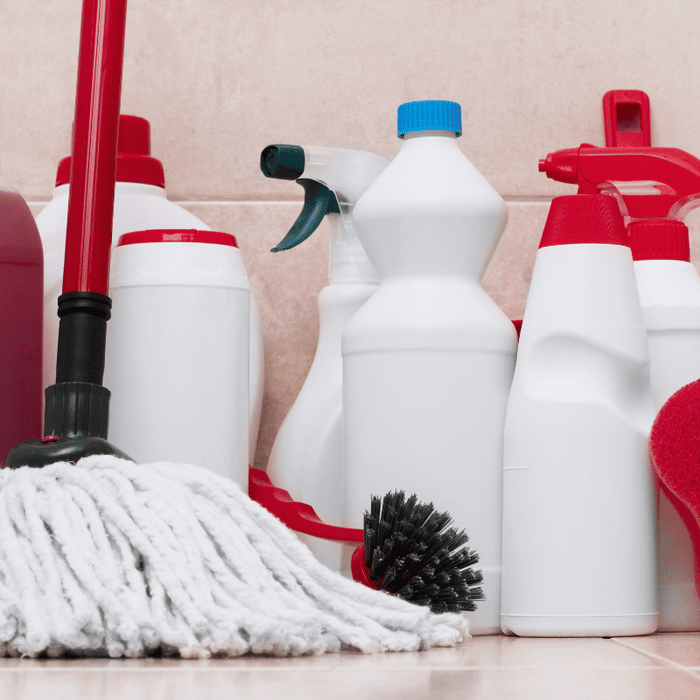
429, 115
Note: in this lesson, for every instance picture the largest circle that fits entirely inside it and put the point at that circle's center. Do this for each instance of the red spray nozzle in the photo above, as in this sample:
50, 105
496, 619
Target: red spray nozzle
653, 182
561, 166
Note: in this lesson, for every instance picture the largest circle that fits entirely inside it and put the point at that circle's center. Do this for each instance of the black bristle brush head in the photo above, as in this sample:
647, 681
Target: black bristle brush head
412, 551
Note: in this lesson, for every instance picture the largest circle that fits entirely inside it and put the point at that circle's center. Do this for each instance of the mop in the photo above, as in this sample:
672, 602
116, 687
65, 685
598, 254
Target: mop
100, 556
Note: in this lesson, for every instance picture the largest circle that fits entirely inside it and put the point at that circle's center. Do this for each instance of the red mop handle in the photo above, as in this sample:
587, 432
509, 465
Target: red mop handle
94, 153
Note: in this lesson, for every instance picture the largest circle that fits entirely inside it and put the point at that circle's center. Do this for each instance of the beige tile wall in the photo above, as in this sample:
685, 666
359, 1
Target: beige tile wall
219, 79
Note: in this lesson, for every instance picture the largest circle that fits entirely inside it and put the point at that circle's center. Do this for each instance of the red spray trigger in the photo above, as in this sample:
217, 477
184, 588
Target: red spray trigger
653, 182
627, 118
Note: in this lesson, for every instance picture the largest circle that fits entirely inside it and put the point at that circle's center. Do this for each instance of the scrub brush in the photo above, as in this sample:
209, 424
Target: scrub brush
408, 548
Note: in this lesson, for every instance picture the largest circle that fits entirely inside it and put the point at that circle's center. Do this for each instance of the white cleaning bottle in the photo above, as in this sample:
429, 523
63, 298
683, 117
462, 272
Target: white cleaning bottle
307, 453
428, 360
579, 502
669, 291
139, 203
177, 357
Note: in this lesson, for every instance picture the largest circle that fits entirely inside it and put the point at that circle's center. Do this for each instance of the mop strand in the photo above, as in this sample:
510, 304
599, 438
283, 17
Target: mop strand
110, 558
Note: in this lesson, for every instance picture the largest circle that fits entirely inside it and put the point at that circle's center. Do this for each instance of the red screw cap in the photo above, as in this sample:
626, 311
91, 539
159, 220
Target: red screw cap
584, 218
659, 239
134, 160
188, 235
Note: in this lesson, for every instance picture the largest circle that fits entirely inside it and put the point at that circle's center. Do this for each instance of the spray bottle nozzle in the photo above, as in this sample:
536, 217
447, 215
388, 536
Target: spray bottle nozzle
561, 165
333, 180
282, 162
653, 182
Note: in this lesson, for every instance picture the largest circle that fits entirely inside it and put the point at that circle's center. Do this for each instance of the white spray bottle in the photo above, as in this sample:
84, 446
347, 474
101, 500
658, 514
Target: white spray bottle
307, 453
428, 360
140, 203
657, 188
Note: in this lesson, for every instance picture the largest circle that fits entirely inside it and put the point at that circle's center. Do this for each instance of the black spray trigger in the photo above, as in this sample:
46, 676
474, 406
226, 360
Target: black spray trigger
318, 201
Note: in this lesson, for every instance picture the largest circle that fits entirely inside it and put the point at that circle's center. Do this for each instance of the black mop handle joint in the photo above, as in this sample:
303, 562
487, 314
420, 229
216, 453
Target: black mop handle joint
82, 335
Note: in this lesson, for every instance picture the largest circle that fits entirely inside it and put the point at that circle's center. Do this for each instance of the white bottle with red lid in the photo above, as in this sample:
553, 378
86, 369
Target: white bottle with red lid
177, 354
579, 502
140, 203
669, 291
428, 360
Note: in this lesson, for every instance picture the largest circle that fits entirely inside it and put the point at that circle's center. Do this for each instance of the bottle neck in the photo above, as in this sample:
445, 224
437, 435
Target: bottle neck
423, 134
347, 260
121, 188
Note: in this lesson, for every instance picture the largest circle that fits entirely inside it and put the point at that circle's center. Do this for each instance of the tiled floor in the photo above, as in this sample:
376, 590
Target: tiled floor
660, 667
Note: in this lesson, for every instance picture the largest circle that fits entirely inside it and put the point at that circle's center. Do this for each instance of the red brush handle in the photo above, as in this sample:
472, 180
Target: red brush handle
295, 515
94, 153
302, 518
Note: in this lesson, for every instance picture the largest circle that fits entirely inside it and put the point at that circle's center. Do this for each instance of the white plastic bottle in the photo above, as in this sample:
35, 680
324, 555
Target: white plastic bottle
139, 203
669, 291
177, 355
579, 503
428, 360
306, 457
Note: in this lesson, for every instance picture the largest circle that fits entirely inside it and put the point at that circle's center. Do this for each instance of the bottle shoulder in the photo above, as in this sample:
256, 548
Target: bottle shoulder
20, 240
668, 282
136, 207
440, 313
432, 175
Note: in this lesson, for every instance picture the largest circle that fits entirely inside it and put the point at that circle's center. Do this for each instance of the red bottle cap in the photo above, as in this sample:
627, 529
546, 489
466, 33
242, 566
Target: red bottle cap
186, 235
659, 239
134, 160
584, 218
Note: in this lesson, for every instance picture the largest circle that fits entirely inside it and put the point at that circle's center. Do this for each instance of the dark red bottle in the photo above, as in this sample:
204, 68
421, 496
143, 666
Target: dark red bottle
21, 309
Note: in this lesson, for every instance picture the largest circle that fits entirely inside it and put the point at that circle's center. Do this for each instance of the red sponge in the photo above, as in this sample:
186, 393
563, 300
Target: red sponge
674, 445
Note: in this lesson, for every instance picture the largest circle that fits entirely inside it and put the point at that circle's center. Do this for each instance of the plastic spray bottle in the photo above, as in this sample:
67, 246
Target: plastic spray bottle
21, 284
579, 511
655, 184
428, 360
307, 454
139, 203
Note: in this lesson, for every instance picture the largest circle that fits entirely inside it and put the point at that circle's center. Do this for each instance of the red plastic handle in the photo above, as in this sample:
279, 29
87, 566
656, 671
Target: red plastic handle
627, 119
668, 175
295, 515
94, 153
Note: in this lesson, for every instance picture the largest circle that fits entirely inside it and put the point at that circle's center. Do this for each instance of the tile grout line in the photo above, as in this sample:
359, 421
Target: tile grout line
279, 202
304, 669
657, 657
509, 199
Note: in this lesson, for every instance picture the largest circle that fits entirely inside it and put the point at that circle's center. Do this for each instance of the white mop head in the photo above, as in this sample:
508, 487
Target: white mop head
113, 558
